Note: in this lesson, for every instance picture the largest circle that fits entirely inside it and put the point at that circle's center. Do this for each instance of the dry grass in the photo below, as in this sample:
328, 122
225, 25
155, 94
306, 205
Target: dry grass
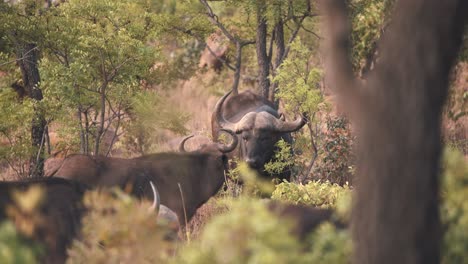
209, 210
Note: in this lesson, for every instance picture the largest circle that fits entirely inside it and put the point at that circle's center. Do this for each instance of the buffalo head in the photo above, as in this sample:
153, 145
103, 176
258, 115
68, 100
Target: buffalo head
259, 127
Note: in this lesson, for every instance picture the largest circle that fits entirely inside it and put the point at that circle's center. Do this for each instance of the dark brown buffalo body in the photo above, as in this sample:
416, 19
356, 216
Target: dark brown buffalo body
258, 125
59, 211
183, 180
200, 176
304, 219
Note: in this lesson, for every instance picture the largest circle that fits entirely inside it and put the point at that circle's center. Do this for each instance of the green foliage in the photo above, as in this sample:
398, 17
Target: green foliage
18, 230
252, 184
316, 193
14, 130
250, 233
96, 65
299, 90
119, 229
329, 245
14, 248
368, 19
454, 209
283, 158
151, 113
298, 81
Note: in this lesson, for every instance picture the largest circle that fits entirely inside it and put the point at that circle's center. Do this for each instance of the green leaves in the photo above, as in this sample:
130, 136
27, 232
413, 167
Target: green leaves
454, 210
283, 158
298, 81
316, 193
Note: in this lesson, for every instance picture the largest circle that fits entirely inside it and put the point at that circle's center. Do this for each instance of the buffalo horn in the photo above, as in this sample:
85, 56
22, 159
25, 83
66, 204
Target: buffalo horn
156, 202
290, 126
219, 118
281, 117
230, 147
182, 143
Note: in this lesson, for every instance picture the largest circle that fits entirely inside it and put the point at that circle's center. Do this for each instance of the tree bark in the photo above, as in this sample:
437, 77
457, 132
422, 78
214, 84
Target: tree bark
263, 60
235, 85
27, 54
397, 116
280, 49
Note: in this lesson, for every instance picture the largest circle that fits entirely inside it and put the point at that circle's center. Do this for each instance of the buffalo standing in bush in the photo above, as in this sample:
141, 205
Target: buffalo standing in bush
258, 124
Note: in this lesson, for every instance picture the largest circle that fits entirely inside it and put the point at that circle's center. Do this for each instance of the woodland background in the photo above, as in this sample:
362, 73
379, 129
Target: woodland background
131, 77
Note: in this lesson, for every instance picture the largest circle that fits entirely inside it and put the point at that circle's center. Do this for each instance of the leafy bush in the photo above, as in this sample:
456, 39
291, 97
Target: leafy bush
151, 114
17, 234
316, 193
119, 229
14, 248
283, 157
250, 233
252, 185
335, 160
14, 130
454, 209
329, 245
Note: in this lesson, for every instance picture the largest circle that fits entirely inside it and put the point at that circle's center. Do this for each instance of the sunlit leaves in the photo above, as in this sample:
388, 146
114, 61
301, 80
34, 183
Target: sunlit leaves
298, 81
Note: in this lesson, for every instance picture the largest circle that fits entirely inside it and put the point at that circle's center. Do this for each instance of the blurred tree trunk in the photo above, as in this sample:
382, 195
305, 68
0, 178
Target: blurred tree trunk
397, 117
27, 54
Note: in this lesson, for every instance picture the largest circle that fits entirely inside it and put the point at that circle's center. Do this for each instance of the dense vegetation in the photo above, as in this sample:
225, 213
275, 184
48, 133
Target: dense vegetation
108, 72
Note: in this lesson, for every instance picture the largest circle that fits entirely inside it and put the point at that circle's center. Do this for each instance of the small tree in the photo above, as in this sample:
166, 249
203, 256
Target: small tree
299, 89
95, 67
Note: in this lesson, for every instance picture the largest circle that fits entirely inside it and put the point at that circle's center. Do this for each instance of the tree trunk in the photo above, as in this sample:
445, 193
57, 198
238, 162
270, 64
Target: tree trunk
27, 55
397, 117
280, 49
235, 85
102, 116
262, 57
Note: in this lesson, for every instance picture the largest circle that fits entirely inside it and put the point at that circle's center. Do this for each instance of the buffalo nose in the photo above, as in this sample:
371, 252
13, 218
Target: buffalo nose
253, 163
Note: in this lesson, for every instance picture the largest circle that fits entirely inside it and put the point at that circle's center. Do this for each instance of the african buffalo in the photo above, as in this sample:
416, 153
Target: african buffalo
258, 124
185, 180
58, 217
56, 221
304, 219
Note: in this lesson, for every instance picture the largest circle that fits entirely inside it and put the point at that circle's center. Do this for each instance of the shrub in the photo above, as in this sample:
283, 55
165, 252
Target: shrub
336, 161
250, 233
119, 229
316, 193
329, 245
14, 248
454, 209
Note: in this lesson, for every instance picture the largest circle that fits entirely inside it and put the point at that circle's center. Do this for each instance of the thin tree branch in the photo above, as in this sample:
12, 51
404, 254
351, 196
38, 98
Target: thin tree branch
215, 20
24, 57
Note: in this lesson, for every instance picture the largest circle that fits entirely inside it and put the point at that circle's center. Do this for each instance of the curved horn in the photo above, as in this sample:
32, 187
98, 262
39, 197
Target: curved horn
230, 147
218, 115
281, 117
182, 143
156, 202
290, 126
